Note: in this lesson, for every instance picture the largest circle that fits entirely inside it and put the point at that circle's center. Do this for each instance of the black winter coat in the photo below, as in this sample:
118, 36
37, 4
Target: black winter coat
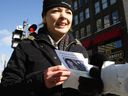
23, 75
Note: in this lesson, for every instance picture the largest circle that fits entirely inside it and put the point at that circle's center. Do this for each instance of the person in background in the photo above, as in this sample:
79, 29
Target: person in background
34, 68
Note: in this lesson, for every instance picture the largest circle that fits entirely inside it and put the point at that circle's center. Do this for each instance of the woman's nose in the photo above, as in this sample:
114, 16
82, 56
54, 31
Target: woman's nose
63, 15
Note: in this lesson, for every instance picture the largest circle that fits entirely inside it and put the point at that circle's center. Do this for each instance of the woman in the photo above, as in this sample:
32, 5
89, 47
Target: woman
34, 68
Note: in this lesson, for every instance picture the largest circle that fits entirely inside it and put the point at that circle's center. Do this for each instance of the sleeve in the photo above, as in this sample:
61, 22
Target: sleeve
13, 75
17, 82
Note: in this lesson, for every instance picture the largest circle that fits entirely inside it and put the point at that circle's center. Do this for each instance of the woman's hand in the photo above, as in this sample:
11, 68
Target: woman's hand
56, 75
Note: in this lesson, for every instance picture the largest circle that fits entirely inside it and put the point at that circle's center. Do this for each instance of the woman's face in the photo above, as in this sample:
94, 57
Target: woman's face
58, 20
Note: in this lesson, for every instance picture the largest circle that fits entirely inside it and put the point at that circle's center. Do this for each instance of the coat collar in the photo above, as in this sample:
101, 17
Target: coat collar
43, 35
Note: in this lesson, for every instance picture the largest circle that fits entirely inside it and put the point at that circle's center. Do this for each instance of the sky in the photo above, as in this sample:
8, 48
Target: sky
12, 14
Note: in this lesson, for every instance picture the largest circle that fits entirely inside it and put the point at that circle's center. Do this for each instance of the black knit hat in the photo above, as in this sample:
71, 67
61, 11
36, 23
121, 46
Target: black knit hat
48, 4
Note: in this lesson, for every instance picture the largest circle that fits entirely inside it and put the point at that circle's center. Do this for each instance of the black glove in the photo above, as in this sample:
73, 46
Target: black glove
95, 72
91, 86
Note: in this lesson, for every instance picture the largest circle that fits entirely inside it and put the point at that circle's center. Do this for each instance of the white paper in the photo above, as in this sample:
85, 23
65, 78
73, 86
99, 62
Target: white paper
77, 64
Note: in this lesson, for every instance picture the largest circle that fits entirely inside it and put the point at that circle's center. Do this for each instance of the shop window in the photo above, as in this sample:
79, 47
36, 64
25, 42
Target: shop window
118, 44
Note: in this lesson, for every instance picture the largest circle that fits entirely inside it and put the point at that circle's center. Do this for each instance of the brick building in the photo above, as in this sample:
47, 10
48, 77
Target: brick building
101, 25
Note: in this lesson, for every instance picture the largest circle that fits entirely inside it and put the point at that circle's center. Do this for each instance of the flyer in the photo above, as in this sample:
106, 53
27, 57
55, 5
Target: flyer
77, 64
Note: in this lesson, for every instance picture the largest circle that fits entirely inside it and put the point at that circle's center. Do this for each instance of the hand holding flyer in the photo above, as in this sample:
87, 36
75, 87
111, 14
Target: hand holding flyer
77, 64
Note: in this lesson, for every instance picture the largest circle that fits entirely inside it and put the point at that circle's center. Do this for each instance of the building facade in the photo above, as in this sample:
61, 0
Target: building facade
101, 25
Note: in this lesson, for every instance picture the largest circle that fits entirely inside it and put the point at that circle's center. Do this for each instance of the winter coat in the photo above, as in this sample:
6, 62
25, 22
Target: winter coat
23, 75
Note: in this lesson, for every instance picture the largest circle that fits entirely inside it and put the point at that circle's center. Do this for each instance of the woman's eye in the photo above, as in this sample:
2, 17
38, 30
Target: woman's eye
55, 11
68, 12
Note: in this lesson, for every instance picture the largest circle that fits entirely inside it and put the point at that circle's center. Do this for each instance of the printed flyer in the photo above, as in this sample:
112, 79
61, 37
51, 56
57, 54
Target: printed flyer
77, 64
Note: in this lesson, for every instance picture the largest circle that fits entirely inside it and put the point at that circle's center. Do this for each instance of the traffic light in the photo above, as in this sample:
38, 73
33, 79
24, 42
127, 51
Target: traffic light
16, 37
32, 28
32, 31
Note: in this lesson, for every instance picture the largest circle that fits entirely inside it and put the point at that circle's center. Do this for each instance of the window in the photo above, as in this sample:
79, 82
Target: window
99, 24
106, 21
88, 29
104, 4
118, 44
76, 20
87, 15
81, 16
75, 5
82, 32
80, 3
113, 1
77, 34
87, 2
97, 7
115, 17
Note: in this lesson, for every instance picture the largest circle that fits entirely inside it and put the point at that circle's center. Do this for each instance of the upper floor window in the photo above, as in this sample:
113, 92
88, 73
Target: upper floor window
75, 5
106, 21
81, 16
104, 4
86, 1
97, 7
77, 34
87, 14
113, 1
99, 24
115, 17
82, 31
76, 19
88, 29
80, 3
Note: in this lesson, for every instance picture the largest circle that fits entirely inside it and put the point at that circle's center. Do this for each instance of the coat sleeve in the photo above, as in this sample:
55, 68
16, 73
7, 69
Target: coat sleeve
13, 75
17, 82
14, 78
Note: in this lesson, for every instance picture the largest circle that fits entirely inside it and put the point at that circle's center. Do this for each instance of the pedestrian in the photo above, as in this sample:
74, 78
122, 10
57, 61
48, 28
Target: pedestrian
34, 68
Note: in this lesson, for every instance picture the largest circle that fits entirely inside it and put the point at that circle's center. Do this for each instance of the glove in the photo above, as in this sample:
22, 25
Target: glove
90, 86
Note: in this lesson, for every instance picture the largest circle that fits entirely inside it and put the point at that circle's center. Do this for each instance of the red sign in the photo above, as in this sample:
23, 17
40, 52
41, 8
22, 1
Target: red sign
105, 36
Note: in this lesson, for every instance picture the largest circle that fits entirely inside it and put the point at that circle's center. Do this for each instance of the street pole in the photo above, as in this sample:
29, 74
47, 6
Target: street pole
25, 24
